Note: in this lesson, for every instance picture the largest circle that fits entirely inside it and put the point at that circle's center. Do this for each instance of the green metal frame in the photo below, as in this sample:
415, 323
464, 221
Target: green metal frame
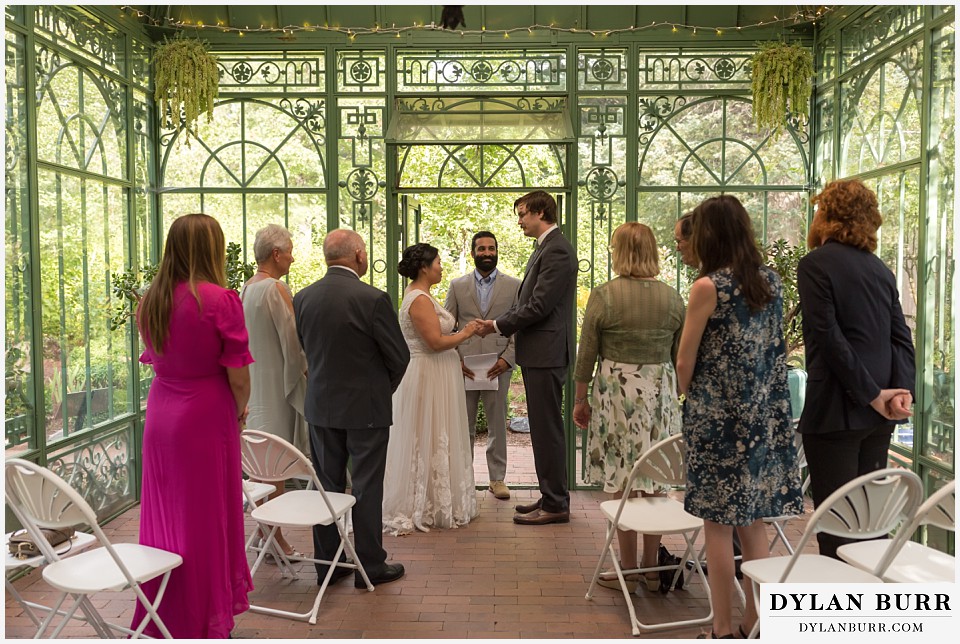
850, 55
623, 92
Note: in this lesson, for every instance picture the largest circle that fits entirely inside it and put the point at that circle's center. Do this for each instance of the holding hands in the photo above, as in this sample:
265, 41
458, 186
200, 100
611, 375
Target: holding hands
486, 328
471, 328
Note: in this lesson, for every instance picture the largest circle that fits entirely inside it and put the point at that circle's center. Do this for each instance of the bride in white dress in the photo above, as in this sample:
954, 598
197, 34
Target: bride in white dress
429, 477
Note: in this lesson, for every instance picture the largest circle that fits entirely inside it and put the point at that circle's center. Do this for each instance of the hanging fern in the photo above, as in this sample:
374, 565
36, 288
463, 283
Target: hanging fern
781, 83
187, 77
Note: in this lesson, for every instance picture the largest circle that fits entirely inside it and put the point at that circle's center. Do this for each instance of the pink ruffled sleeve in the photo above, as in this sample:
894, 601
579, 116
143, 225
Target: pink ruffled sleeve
233, 331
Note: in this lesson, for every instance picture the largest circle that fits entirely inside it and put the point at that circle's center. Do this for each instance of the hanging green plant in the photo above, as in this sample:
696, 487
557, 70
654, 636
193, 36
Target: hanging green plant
187, 77
782, 82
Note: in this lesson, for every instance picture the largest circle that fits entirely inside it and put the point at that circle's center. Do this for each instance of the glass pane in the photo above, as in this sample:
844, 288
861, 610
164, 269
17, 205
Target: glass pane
713, 142
941, 254
486, 120
898, 244
79, 118
823, 145
880, 117
307, 222
87, 369
19, 415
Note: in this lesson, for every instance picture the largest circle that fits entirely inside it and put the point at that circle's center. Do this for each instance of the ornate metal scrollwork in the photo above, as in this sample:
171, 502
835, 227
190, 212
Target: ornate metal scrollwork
440, 70
99, 471
654, 111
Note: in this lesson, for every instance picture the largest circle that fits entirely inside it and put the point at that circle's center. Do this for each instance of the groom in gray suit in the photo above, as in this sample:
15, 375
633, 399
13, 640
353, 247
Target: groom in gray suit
356, 357
542, 319
481, 294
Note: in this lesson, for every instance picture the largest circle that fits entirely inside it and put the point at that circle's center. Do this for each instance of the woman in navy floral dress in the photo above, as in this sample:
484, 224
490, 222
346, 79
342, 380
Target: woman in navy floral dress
741, 459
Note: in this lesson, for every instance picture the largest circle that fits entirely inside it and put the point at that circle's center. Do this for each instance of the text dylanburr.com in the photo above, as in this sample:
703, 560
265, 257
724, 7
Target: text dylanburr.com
907, 612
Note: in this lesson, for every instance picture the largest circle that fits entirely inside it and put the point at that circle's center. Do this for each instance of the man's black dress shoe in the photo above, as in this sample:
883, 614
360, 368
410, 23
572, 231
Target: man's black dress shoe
527, 509
539, 517
390, 572
338, 574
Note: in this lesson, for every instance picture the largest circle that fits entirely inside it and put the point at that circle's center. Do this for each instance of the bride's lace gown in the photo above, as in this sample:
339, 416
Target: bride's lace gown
429, 477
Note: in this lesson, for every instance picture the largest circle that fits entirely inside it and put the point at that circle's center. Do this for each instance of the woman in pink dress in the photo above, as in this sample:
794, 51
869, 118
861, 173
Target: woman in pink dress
195, 338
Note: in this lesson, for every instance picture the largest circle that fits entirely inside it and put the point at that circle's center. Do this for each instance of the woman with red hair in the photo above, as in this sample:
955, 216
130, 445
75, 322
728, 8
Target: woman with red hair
860, 358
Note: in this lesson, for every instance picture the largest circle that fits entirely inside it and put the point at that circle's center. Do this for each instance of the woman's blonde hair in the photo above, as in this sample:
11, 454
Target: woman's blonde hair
194, 252
634, 250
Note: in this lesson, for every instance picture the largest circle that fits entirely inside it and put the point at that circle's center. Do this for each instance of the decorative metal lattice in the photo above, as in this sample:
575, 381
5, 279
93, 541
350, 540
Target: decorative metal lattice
361, 71
82, 35
503, 70
601, 70
693, 70
289, 72
102, 471
877, 29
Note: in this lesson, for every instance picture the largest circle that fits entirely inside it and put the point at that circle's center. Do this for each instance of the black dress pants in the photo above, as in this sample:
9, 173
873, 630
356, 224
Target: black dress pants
836, 458
329, 450
544, 389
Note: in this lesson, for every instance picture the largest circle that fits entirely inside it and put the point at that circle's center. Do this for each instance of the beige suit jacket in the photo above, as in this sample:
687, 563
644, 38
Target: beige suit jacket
463, 304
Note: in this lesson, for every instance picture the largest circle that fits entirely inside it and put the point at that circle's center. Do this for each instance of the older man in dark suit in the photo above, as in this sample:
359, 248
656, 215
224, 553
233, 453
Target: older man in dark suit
356, 357
542, 319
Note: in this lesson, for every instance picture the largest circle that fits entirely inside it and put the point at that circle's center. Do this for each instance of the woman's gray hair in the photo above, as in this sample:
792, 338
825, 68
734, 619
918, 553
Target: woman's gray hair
269, 237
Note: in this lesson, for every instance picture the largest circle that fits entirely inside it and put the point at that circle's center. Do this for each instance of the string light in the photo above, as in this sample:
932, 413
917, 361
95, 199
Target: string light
353, 32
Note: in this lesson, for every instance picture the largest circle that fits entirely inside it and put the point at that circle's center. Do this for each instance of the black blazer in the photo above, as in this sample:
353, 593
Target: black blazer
356, 354
542, 318
855, 337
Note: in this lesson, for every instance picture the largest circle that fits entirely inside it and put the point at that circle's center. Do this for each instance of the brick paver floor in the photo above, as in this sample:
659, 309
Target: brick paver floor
489, 579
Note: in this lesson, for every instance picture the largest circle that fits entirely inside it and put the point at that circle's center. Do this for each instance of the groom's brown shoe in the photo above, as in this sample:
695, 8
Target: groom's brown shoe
539, 517
527, 509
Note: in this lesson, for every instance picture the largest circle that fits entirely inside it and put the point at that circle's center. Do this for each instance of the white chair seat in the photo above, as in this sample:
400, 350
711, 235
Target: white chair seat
652, 515
96, 570
915, 563
255, 491
301, 508
80, 541
809, 569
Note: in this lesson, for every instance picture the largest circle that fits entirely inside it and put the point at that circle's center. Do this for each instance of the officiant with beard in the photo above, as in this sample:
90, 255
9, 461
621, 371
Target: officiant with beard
485, 294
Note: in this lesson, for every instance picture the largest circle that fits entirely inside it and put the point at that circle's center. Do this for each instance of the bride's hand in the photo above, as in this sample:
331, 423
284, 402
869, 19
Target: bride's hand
470, 328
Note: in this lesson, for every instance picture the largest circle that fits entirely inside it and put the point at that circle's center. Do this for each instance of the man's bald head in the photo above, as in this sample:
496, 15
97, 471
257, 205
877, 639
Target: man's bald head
344, 247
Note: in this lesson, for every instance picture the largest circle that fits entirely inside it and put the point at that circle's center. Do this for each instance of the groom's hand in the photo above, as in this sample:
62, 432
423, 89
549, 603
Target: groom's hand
486, 328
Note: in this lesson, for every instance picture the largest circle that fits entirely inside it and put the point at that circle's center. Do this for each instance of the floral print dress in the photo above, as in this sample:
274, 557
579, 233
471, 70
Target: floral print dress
634, 406
741, 458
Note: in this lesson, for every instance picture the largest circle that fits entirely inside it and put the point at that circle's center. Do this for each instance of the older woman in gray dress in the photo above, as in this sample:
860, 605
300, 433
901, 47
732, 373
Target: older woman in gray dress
278, 375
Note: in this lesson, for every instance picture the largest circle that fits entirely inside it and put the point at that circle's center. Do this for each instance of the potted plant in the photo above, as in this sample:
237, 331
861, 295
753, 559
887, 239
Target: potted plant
784, 257
187, 79
781, 80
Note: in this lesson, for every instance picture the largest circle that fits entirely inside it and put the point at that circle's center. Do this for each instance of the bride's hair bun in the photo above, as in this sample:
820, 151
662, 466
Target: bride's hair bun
415, 258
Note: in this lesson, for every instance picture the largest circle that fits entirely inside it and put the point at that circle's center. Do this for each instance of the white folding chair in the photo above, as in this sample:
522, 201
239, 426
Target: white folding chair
901, 560
41, 499
79, 542
266, 457
867, 507
664, 464
779, 522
